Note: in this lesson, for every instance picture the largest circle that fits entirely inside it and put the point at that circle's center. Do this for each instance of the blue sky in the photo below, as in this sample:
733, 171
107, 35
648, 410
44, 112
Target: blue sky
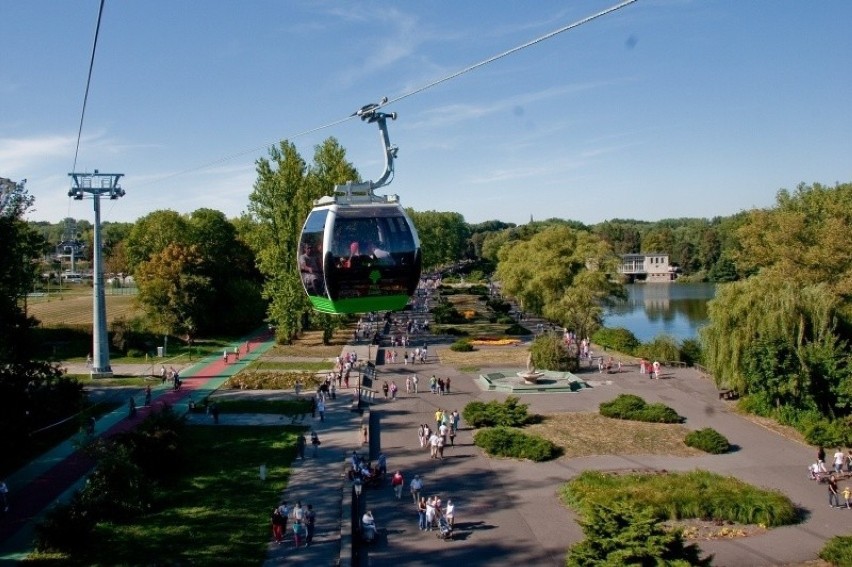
666, 108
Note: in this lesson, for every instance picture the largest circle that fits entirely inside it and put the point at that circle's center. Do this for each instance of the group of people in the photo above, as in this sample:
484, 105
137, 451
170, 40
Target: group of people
818, 472
303, 523
652, 369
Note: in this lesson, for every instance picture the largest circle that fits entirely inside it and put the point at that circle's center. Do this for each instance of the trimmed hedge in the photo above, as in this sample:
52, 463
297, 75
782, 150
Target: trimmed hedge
634, 408
463, 345
508, 442
509, 413
708, 440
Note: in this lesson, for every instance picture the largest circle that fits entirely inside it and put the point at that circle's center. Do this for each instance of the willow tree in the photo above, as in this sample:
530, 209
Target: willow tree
564, 274
779, 341
283, 196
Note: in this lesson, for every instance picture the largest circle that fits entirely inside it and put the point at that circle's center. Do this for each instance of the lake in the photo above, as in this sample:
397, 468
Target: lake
652, 309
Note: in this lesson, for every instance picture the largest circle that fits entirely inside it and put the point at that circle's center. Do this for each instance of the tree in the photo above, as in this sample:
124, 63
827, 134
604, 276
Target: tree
18, 272
173, 291
443, 236
630, 535
152, 233
278, 206
563, 274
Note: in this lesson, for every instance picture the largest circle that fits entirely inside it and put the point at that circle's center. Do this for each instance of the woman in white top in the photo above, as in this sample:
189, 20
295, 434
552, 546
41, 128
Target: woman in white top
450, 512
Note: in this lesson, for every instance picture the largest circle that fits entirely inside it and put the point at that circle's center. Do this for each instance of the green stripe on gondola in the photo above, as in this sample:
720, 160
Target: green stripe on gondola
359, 304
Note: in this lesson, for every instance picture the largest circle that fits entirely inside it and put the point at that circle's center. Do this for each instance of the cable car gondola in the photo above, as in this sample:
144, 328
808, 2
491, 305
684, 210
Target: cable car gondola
359, 252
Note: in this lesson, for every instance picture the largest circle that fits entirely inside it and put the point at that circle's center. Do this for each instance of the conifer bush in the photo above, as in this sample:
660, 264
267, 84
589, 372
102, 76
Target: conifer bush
708, 440
508, 442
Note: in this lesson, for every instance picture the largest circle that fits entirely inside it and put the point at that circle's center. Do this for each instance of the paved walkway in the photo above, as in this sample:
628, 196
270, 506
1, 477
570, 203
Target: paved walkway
508, 512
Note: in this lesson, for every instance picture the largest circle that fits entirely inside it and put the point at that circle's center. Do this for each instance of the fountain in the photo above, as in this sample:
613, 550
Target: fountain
530, 376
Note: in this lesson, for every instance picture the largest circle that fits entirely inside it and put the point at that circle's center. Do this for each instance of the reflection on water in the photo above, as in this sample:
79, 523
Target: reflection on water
674, 309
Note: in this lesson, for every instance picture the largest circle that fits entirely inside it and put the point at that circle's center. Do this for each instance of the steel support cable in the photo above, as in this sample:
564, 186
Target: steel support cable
419, 90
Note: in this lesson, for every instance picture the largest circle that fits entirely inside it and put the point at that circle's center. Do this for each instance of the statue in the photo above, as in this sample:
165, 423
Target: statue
530, 365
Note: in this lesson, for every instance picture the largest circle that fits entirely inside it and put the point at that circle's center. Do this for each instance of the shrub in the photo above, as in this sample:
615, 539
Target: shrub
463, 345
708, 440
453, 331
630, 535
628, 406
828, 433
663, 347
617, 338
549, 353
690, 351
445, 313
516, 329
837, 551
507, 442
509, 413
65, 527
117, 489
499, 305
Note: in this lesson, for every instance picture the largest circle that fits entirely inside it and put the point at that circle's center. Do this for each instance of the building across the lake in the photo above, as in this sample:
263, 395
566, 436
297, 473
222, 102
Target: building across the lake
650, 267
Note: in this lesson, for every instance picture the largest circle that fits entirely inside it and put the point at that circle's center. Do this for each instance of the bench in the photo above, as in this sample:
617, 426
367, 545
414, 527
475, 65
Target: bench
728, 395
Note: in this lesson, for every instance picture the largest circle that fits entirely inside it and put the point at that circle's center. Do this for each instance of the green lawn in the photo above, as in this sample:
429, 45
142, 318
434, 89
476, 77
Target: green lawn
286, 407
307, 366
216, 512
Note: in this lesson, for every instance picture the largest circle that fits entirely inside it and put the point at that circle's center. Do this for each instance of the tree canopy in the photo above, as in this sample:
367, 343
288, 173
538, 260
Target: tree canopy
565, 274
283, 196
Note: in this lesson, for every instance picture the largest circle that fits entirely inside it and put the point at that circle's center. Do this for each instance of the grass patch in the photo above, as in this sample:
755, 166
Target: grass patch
309, 345
676, 496
498, 356
469, 369
838, 551
286, 407
584, 434
217, 510
87, 380
307, 366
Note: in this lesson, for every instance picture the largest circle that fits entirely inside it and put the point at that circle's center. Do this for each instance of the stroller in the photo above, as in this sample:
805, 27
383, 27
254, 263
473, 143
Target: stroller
445, 531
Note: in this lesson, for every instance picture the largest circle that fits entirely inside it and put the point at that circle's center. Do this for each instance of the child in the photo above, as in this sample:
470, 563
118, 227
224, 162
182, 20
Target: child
847, 495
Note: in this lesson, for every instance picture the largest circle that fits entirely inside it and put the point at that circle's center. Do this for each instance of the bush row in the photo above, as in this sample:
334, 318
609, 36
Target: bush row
510, 413
508, 442
628, 406
816, 427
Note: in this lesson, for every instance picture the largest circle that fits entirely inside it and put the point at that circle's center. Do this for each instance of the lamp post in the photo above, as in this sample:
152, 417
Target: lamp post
356, 521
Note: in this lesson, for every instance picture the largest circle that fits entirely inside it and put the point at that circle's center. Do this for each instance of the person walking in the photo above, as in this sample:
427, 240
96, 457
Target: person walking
839, 458
397, 482
310, 524
148, 395
450, 513
421, 513
452, 436
416, 486
414, 381
284, 512
833, 496
321, 409
315, 441
278, 526
301, 442
131, 407
385, 388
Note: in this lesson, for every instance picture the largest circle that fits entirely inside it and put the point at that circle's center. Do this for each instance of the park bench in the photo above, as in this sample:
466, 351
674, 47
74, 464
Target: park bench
728, 395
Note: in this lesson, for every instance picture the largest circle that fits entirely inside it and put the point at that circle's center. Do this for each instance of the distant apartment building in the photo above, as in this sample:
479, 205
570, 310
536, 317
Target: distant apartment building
651, 267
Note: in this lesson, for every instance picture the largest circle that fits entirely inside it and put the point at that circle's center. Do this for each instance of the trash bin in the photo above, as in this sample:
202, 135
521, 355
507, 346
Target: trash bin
160, 351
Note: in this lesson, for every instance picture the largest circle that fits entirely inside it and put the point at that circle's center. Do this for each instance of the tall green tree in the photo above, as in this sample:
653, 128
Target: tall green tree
152, 233
22, 246
283, 196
